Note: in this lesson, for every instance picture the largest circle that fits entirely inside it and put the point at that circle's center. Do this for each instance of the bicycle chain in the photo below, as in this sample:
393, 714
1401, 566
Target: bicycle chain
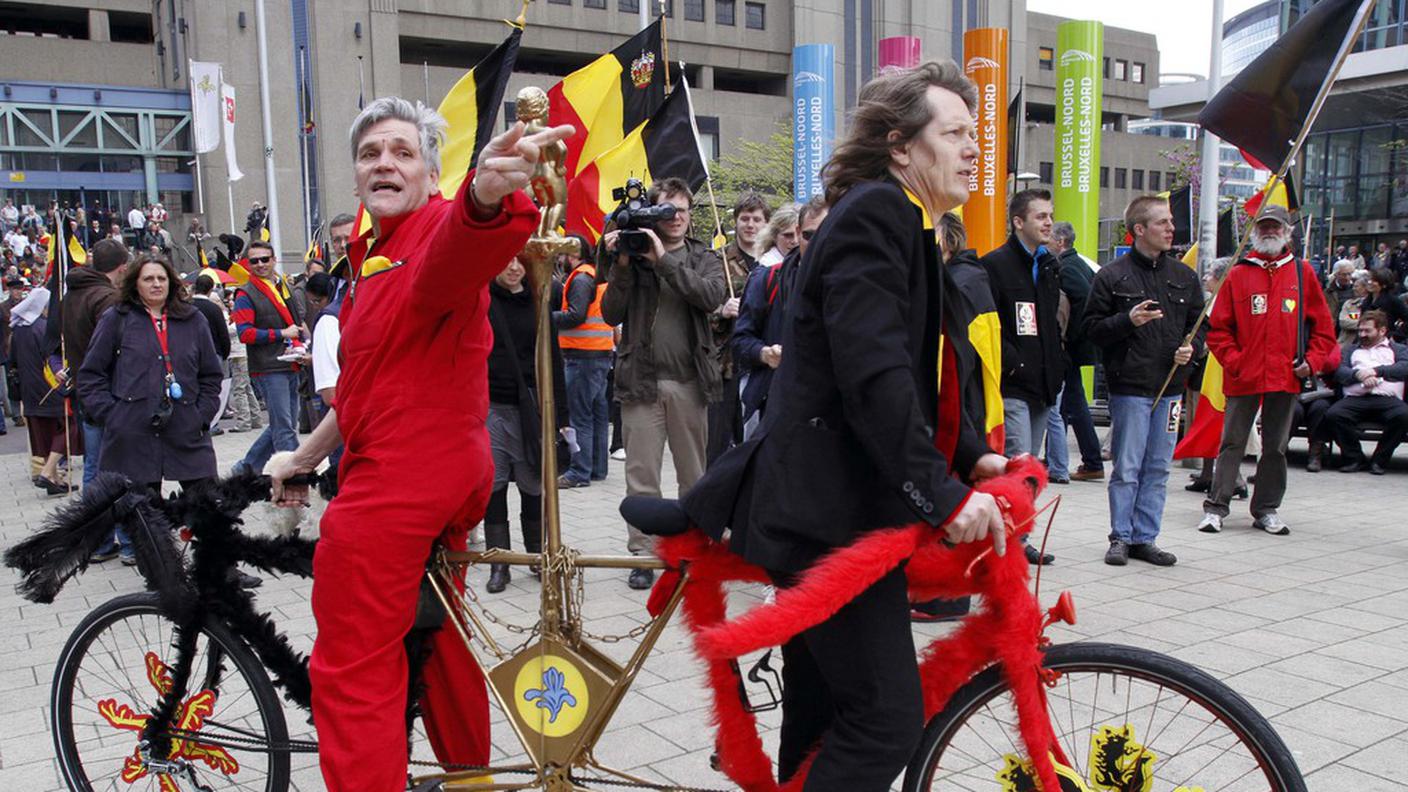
569, 568
644, 785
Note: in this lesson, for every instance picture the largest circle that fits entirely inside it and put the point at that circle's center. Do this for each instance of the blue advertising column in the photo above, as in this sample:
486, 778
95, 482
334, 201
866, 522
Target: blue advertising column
814, 116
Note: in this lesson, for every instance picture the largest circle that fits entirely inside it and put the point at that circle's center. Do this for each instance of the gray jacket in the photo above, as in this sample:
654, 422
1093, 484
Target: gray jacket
632, 294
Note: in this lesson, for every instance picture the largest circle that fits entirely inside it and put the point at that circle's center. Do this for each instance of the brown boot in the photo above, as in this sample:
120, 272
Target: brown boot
1317, 456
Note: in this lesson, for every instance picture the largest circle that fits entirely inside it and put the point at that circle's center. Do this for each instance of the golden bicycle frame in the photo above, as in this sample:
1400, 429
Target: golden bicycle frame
596, 683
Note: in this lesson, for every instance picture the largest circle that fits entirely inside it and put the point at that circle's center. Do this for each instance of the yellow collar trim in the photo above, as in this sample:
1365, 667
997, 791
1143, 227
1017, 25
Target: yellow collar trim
924, 213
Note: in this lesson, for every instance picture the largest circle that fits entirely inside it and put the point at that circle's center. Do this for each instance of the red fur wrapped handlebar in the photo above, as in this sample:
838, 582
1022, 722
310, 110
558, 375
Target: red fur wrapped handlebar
1005, 628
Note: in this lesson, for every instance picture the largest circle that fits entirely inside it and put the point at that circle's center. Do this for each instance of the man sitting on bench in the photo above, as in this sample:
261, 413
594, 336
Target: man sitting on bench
1372, 373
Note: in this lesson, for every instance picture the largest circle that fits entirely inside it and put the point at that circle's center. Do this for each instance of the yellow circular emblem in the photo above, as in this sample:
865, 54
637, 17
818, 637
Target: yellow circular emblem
551, 695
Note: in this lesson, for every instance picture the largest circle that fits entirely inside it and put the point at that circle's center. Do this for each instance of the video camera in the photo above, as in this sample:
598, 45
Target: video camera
634, 213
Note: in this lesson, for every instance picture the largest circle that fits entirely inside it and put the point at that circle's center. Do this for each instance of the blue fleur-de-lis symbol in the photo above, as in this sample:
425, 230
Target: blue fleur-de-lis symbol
554, 694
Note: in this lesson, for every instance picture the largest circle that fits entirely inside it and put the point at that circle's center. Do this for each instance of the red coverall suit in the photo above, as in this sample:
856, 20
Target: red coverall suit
411, 405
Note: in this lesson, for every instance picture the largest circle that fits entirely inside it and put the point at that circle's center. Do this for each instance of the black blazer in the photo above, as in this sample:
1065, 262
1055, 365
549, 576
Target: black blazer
1033, 363
847, 444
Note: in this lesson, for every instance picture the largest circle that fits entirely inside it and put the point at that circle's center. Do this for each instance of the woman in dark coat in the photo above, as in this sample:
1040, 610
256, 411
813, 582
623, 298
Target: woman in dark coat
43, 403
155, 404
514, 431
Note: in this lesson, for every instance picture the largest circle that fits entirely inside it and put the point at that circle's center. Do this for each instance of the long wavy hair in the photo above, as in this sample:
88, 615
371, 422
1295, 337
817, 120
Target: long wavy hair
895, 101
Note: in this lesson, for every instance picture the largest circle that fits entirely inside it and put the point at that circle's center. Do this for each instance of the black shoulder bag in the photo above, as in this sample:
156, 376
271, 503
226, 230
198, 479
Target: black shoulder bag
1312, 388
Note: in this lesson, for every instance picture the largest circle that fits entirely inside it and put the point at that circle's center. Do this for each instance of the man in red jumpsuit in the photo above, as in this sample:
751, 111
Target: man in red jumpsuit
411, 405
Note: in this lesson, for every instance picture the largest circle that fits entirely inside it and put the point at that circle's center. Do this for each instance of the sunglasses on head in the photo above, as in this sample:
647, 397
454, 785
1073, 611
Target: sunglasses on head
260, 260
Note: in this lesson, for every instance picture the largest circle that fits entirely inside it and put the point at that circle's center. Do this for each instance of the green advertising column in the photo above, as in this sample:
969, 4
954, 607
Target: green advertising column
1079, 57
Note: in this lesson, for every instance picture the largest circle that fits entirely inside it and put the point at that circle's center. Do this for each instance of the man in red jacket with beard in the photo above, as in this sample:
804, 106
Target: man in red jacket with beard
1252, 332
413, 388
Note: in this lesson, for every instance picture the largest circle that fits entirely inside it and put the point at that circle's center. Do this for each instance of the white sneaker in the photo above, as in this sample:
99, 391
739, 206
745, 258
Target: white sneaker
619, 455
1211, 523
1272, 524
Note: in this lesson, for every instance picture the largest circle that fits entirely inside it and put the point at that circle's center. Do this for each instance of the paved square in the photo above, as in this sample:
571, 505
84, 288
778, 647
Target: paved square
1312, 628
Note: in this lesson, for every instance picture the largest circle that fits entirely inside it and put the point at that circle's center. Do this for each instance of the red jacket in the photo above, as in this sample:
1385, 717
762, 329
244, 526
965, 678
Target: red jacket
1252, 327
415, 329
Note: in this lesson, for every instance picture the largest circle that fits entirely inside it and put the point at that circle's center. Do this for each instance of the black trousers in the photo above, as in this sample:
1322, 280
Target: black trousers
851, 685
1390, 411
725, 424
1311, 415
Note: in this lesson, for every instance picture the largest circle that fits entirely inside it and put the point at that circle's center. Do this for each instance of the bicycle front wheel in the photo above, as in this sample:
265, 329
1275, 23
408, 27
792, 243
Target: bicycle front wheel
1126, 718
108, 680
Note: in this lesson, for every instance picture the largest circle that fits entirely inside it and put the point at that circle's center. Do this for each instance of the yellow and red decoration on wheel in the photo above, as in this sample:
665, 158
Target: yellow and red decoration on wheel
1018, 775
1119, 762
189, 717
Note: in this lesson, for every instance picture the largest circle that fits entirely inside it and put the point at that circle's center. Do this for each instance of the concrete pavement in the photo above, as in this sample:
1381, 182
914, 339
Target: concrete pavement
1312, 628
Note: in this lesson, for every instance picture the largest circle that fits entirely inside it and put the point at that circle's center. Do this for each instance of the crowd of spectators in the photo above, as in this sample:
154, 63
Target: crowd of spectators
677, 347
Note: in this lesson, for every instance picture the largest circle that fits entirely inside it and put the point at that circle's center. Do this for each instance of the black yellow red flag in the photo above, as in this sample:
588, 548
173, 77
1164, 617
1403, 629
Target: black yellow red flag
664, 146
610, 97
1263, 109
472, 110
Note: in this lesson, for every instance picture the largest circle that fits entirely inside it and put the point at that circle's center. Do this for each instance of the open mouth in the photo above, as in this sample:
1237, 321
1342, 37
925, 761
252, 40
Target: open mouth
385, 188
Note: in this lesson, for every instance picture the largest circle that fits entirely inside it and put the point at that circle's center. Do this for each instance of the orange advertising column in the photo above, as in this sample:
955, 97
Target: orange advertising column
985, 63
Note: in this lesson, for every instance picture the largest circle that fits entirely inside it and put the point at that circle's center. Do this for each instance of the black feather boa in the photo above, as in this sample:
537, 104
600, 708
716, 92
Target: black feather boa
193, 594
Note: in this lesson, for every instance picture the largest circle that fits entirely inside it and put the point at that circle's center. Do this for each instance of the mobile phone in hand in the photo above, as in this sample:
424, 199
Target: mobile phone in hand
1153, 305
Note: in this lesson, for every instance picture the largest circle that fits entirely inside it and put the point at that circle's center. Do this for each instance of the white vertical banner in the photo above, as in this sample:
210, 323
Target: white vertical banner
227, 119
205, 106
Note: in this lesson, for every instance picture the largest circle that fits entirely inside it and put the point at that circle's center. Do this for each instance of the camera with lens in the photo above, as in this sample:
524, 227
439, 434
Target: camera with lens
162, 415
634, 213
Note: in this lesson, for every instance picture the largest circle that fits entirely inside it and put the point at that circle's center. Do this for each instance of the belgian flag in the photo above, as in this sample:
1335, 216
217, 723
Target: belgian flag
666, 145
1282, 193
1267, 104
610, 97
472, 108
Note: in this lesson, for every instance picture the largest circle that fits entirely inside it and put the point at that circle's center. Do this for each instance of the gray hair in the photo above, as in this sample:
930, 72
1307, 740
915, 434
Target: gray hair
430, 124
1218, 267
1343, 265
1065, 233
1358, 275
783, 218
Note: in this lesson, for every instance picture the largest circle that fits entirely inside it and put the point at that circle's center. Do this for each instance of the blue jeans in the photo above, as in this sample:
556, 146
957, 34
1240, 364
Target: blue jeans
1024, 425
1141, 445
92, 451
590, 413
280, 392
92, 459
1075, 413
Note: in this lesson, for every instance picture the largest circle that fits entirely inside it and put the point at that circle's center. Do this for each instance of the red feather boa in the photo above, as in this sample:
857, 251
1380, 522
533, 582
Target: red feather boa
1006, 628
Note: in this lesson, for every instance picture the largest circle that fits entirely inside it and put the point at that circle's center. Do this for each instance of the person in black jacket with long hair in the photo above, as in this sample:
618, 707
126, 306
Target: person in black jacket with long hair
859, 435
513, 423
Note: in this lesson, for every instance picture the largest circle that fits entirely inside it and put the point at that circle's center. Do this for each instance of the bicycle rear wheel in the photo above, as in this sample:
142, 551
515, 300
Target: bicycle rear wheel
1127, 718
106, 683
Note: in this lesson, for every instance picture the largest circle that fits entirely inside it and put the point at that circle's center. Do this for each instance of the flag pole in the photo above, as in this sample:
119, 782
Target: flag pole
664, 45
1207, 204
718, 232
230, 199
1279, 177
60, 276
1330, 245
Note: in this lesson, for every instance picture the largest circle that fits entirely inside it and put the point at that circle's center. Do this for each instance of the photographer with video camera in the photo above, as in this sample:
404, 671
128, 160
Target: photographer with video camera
663, 285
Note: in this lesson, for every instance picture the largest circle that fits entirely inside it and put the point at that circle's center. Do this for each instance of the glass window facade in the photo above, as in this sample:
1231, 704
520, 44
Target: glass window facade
1361, 174
723, 12
756, 16
1385, 27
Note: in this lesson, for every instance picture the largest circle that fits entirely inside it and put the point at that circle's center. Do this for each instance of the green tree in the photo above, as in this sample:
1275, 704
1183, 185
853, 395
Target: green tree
764, 166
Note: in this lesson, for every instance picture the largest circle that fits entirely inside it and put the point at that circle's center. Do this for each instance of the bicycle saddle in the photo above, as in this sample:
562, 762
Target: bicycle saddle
655, 516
